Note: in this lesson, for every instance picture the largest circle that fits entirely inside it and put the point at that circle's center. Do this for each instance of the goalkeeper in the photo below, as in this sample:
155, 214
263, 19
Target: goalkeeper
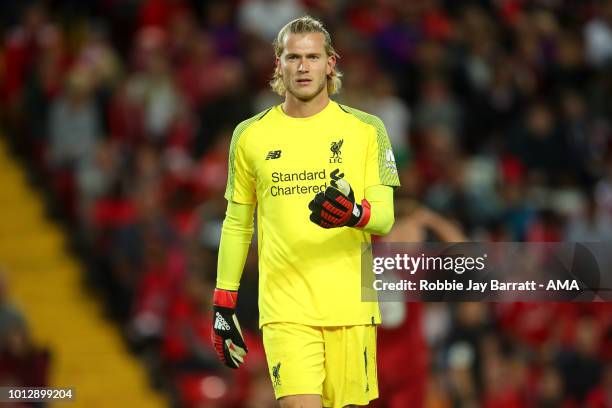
319, 337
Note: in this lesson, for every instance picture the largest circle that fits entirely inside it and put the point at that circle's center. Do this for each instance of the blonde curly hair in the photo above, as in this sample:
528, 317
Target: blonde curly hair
305, 25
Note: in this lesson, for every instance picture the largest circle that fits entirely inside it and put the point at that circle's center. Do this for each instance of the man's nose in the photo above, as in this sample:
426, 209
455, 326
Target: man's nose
303, 67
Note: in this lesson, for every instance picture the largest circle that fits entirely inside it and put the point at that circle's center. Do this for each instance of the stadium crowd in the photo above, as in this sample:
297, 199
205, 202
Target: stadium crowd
500, 116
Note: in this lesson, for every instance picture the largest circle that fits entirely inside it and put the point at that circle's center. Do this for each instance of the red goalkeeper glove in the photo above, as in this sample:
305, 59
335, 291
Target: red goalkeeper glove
226, 335
336, 207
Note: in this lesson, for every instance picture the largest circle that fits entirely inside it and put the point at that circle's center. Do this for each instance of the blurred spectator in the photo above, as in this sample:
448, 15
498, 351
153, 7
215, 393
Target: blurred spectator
186, 339
437, 107
403, 328
74, 123
585, 144
499, 385
22, 363
551, 392
9, 315
154, 88
97, 177
591, 225
159, 284
598, 35
22, 44
581, 368
265, 18
232, 105
394, 114
538, 144
75, 128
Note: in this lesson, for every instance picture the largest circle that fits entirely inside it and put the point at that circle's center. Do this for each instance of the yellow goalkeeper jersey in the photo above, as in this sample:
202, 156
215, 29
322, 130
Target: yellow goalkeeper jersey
308, 274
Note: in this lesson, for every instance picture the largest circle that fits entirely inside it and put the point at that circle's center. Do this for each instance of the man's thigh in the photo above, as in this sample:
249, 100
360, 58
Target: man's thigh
296, 358
350, 366
334, 364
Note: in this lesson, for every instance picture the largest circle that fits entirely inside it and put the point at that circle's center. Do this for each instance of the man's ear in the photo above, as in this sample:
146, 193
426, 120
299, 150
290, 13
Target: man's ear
331, 64
277, 66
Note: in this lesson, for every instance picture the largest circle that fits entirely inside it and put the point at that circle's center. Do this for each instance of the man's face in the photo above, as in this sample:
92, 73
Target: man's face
304, 65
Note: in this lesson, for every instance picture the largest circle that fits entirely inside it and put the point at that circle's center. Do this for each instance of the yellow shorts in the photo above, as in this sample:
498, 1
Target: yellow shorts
338, 363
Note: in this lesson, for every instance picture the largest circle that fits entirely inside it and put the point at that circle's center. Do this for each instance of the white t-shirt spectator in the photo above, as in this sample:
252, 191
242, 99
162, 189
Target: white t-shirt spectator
266, 17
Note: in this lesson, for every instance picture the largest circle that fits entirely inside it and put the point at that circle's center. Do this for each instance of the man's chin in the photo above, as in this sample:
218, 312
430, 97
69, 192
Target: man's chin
305, 96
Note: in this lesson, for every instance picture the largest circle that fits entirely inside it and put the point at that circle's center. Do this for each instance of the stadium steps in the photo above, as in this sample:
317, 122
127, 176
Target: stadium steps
44, 281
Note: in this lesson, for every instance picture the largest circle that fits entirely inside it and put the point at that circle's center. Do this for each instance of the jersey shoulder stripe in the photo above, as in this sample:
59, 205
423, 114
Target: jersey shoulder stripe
386, 160
239, 131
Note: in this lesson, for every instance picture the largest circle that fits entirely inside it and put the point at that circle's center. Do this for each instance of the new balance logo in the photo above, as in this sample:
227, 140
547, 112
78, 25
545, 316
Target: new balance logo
389, 156
273, 154
390, 161
220, 323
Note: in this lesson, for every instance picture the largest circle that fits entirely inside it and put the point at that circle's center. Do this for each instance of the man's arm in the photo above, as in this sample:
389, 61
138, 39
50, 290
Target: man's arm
417, 220
382, 216
236, 236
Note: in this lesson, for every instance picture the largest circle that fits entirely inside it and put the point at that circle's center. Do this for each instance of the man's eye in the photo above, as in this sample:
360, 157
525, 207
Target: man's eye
314, 57
292, 58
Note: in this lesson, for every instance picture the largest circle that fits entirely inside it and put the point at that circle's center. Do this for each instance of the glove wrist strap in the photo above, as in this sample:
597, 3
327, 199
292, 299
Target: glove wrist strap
366, 211
225, 298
